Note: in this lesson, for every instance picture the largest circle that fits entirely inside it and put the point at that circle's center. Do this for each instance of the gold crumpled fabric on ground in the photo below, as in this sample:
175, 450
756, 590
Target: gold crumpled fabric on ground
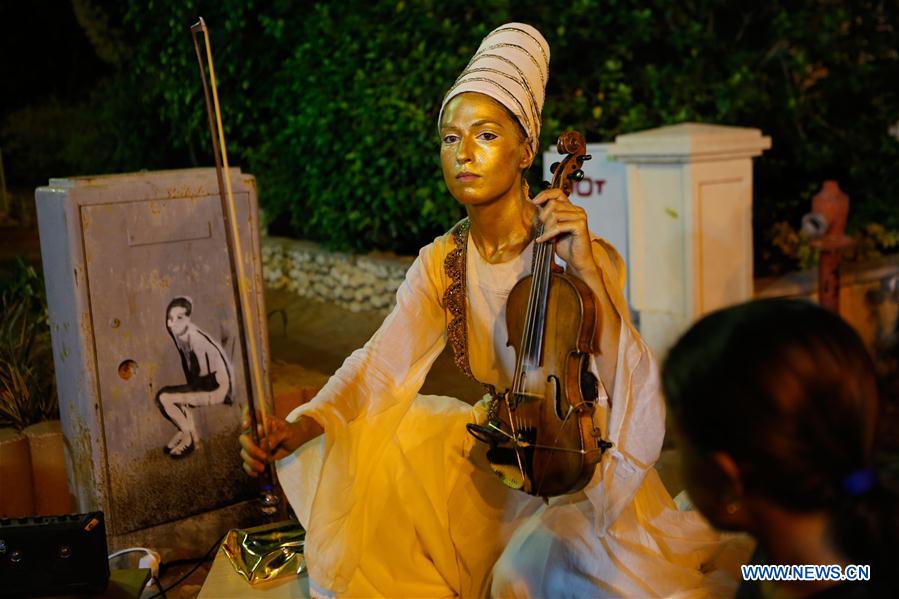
267, 552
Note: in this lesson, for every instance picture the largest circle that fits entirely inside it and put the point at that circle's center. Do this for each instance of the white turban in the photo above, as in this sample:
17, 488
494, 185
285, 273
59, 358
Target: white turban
511, 66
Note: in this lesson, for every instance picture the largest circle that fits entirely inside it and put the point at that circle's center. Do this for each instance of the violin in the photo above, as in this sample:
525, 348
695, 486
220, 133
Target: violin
540, 431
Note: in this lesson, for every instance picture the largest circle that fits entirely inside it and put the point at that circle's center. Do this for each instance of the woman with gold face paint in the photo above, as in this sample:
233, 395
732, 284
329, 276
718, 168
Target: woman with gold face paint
484, 154
397, 498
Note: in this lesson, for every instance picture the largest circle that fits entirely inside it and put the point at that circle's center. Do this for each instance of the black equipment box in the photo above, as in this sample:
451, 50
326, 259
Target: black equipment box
53, 555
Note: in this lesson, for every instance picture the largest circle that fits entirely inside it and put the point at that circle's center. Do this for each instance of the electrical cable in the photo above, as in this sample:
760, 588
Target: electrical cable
163, 591
180, 562
129, 550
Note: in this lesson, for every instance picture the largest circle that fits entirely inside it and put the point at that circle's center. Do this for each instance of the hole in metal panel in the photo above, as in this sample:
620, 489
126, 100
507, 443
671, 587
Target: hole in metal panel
127, 369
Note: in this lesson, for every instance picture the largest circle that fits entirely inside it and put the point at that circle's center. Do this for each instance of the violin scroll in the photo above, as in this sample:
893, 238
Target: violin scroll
572, 144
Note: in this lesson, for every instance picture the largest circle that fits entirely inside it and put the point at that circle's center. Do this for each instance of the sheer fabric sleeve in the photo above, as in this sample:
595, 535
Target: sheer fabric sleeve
360, 409
633, 418
387, 372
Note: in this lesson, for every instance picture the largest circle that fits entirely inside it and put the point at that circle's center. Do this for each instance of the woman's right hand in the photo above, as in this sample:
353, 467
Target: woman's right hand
277, 438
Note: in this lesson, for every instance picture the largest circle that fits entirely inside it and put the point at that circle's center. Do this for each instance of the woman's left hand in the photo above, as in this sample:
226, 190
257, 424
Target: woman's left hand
566, 225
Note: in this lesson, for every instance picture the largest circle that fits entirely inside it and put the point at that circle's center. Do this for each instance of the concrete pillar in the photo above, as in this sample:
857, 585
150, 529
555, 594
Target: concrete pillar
689, 192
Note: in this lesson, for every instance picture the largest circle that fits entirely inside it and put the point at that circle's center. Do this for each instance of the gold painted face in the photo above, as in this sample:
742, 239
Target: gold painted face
482, 152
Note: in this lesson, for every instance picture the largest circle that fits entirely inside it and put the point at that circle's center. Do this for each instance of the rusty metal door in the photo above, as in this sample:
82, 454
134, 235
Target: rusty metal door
139, 257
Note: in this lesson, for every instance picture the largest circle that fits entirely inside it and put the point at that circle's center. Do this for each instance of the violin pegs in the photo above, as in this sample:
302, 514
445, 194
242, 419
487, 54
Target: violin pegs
587, 157
546, 184
553, 167
577, 175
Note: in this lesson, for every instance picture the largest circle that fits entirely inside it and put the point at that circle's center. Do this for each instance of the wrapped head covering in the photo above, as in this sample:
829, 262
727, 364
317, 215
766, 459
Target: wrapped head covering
511, 66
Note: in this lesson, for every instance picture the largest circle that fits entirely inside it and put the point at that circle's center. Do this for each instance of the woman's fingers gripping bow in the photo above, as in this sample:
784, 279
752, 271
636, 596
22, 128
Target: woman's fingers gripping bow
274, 441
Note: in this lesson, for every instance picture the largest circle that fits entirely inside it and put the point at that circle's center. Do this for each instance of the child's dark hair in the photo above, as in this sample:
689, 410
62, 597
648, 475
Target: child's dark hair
789, 390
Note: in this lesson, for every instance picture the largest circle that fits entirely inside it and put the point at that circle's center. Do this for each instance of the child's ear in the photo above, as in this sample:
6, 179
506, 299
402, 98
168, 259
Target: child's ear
731, 472
731, 513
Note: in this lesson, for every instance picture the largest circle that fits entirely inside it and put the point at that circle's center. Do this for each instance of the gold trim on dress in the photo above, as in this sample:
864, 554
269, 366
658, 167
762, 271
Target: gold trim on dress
454, 300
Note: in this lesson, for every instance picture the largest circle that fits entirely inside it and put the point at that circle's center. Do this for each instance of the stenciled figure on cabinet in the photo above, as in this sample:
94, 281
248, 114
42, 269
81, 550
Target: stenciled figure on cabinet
206, 369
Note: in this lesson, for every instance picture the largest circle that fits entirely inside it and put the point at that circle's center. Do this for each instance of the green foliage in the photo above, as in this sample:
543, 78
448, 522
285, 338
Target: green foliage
96, 22
795, 248
333, 106
818, 77
872, 241
353, 155
334, 109
791, 249
27, 383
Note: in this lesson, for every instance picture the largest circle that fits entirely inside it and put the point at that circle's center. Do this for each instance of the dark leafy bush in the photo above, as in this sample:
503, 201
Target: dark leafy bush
333, 106
354, 158
27, 383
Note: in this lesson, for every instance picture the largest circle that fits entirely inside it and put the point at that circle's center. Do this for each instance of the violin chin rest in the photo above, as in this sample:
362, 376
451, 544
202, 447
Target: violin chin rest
504, 464
485, 434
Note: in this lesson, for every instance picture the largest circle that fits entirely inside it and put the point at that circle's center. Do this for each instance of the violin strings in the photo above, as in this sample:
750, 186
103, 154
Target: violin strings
518, 379
526, 350
531, 316
526, 337
541, 291
535, 316
535, 319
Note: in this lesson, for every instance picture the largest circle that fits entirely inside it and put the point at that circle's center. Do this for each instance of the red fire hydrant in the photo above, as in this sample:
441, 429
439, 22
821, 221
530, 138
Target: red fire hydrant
826, 225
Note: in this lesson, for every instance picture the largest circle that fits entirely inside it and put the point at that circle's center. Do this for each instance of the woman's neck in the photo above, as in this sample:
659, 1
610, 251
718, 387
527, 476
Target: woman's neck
797, 538
502, 229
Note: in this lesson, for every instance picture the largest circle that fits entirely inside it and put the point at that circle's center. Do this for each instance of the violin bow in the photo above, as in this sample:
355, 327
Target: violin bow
245, 322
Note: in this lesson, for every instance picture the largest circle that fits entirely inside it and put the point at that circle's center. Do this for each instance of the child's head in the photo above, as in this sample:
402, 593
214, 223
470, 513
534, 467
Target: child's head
776, 400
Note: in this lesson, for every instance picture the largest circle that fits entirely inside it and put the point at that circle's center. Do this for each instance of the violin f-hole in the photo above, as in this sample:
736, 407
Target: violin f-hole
557, 395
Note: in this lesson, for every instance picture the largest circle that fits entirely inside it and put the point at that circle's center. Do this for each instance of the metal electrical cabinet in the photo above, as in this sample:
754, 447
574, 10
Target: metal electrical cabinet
125, 257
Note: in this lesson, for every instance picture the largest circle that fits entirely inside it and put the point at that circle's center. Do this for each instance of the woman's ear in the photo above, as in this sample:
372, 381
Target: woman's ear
527, 155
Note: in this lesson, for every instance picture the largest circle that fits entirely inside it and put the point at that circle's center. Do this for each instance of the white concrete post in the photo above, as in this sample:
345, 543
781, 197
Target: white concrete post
689, 190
